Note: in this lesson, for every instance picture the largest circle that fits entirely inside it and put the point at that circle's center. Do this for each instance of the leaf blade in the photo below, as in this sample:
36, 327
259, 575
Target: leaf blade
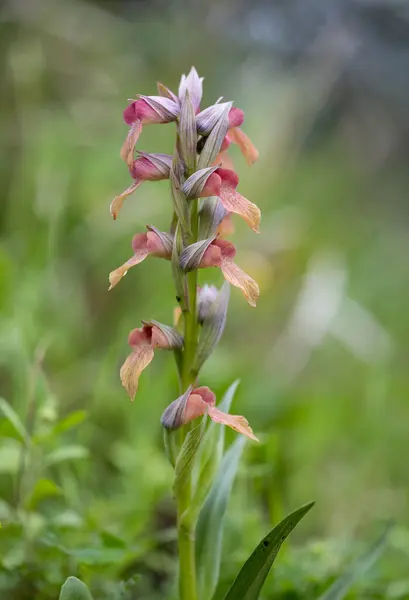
209, 531
251, 577
342, 585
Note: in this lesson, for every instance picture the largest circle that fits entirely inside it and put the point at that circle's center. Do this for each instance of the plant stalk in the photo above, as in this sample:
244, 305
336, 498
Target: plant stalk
186, 529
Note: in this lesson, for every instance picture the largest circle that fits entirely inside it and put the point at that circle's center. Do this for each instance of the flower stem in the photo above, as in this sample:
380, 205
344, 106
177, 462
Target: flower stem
186, 530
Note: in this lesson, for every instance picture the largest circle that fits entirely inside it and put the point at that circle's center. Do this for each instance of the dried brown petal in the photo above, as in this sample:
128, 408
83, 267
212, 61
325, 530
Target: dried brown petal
116, 275
127, 150
237, 277
236, 203
133, 366
118, 201
247, 148
236, 422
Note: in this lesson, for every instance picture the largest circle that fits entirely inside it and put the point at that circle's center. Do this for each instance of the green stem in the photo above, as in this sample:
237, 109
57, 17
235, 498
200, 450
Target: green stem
186, 530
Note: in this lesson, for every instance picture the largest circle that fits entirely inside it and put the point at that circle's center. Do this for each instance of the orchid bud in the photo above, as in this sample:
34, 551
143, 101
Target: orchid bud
213, 326
187, 132
194, 85
207, 295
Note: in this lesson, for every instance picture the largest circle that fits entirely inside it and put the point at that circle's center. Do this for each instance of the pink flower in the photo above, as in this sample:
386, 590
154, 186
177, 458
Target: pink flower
237, 136
223, 183
197, 402
143, 341
147, 167
220, 253
154, 242
147, 110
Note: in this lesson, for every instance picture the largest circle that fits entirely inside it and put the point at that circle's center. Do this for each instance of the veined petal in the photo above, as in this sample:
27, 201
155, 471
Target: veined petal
166, 92
118, 201
166, 110
116, 276
194, 85
236, 422
130, 142
133, 366
247, 148
237, 277
236, 203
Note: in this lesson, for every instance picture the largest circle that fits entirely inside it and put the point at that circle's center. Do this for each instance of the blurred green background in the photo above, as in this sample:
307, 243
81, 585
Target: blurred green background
84, 482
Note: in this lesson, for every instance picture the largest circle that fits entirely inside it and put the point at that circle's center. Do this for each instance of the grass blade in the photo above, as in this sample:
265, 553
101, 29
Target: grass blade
342, 585
209, 532
250, 580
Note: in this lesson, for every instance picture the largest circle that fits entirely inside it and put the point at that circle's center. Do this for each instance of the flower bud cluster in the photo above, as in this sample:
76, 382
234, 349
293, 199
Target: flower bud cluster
204, 196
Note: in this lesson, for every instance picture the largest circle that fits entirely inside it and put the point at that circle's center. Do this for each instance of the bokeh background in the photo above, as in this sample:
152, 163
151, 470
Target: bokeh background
84, 482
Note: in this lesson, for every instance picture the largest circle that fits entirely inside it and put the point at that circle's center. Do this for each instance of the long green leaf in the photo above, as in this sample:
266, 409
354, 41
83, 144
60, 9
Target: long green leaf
250, 580
74, 589
341, 586
209, 531
11, 415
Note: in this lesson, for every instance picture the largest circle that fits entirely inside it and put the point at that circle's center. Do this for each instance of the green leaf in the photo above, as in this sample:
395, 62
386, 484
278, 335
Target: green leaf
11, 415
74, 589
341, 586
73, 452
250, 580
44, 488
184, 462
209, 531
70, 421
10, 456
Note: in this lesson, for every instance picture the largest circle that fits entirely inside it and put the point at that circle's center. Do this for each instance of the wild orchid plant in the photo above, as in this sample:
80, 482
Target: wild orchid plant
204, 194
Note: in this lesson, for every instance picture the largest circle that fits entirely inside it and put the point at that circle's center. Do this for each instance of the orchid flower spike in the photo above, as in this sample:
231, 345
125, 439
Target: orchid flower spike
143, 342
154, 242
196, 402
147, 167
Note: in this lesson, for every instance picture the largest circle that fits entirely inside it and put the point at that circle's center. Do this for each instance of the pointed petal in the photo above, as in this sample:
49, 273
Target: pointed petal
130, 142
194, 85
192, 255
236, 422
166, 92
166, 110
118, 201
133, 366
116, 276
247, 148
237, 277
236, 203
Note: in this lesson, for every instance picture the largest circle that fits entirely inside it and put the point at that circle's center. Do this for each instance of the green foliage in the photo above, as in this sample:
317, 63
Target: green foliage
74, 589
250, 580
209, 531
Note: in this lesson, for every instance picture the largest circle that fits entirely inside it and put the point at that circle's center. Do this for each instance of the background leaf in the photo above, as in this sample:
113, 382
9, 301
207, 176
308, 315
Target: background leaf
341, 586
250, 580
209, 531
74, 589
11, 415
